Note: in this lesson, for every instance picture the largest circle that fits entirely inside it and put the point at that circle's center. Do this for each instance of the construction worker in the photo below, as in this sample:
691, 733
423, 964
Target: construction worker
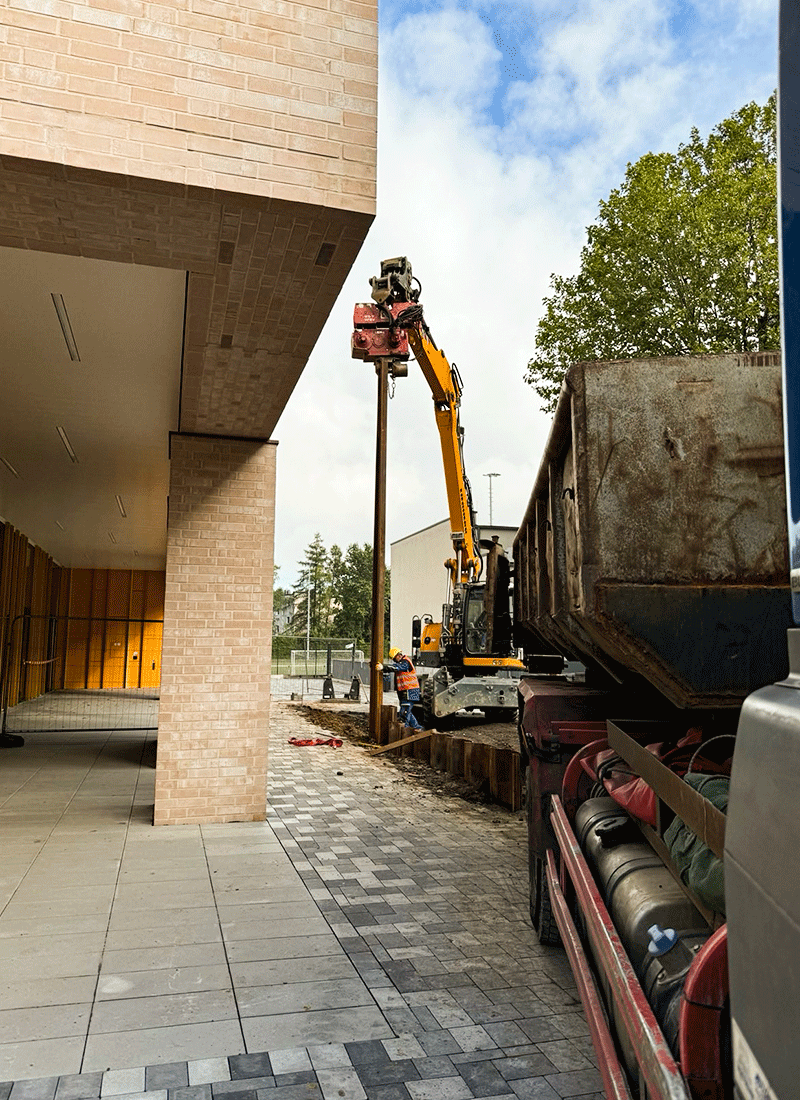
407, 686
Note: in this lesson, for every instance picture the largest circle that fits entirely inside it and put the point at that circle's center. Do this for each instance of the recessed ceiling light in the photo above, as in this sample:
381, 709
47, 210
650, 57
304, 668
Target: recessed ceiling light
121, 506
66, 327
67, 444
9, 467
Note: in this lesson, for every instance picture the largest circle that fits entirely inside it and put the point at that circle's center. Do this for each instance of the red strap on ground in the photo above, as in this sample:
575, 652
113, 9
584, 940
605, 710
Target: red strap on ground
334, 742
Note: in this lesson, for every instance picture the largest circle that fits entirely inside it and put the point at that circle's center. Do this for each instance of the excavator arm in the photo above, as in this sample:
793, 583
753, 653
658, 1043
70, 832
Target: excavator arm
387, 330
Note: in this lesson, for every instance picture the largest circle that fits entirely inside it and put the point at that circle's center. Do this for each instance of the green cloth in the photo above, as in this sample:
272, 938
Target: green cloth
699, 868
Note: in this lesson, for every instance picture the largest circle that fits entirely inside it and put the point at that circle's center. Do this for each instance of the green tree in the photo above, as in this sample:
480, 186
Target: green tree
311, 593
352, 587
683, 258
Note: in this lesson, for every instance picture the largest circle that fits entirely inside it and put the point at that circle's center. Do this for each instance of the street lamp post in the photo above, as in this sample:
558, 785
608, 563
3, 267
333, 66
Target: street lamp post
490, 476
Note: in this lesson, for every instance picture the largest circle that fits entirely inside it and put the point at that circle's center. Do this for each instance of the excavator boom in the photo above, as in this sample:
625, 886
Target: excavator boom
387, 330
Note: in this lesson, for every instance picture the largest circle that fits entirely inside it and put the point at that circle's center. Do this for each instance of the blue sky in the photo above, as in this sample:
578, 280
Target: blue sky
501, 127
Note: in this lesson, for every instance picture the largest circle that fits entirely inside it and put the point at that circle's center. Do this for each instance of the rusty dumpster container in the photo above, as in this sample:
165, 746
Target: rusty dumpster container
654, 544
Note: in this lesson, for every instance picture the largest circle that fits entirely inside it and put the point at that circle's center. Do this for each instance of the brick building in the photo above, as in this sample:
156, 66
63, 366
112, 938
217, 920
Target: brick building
183, 189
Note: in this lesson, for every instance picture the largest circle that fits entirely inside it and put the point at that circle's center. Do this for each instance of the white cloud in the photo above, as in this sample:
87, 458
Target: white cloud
485, 215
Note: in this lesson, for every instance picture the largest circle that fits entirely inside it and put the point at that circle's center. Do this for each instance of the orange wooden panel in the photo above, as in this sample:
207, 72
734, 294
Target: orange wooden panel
152, 632
133, 668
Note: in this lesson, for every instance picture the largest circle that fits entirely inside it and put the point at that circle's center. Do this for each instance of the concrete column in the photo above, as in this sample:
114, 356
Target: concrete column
214, 712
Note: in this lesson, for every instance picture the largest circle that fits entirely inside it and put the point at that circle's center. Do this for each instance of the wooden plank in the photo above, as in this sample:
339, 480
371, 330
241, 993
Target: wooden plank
702, 817
402, 741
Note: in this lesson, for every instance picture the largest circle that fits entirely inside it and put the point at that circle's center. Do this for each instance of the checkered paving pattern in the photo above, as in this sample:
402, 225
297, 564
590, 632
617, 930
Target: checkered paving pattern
426, 897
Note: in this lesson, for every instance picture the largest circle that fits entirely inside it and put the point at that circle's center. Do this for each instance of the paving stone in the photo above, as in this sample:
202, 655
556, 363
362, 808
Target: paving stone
341, 1083
119, 1082
403, 1048
534, 1088
205, 1071
442, 1088
387, 1073
249, 1065
167, 1076
507, 1034
438, 1042
368, 1052
192, 1092
241, 1086
388, 1092
483, 1079
74, 1086
290, 1060
439, 1066
577, 1083
38, 1088
472, 1038
525, 1065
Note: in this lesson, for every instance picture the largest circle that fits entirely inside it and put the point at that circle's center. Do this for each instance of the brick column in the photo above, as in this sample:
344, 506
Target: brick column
214, 712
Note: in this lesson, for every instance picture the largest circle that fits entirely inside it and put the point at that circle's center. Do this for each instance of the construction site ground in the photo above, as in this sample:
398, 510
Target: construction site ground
350, 721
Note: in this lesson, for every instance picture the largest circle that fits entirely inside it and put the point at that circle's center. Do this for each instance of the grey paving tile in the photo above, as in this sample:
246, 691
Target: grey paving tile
19, 1025
293, 997
291, 1092
250, 1065
43, 1088
340, 1083
290, 1060
438, 1066
329, 1056
524, 1065
388, 1092
442, 1088
206, 1071
115, 986
79, 1086
438, 1042
244, 1086
139, 1013
534, 1088
166, 957
30, 992
191, 1092
165, 1044
237, 929
122, 1081
576, 1083
367, 1052
302, 1028
565, 1056
283, 971
168, 1075
387, 1073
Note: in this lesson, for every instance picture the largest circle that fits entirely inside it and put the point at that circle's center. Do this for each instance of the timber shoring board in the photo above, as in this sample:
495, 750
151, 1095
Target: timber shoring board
473, 761
402, 741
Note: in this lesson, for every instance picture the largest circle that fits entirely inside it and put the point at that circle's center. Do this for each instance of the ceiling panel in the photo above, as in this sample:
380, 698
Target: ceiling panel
117, 405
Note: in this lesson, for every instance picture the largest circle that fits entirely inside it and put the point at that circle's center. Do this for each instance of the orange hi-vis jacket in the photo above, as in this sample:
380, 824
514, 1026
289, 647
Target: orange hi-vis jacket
406, 679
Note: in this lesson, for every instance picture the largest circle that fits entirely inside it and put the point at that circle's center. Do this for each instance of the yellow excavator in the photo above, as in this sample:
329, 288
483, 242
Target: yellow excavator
466, 661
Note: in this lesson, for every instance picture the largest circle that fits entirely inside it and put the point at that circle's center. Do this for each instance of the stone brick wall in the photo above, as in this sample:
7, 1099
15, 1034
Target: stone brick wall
271, 98
212, 735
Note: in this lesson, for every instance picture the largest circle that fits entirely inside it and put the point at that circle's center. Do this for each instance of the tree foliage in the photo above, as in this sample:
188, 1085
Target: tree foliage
333, 593
682, 259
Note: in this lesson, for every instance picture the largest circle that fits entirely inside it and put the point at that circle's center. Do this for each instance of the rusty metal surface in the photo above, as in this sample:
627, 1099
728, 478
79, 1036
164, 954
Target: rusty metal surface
660, 494
608, 1064
631, 1009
